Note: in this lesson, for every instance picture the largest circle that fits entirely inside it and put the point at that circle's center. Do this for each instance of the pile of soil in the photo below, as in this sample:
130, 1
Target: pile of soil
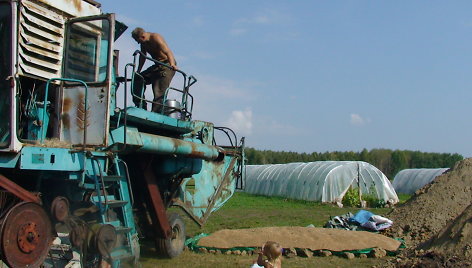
455, 238
299, 237
434, 206
437, 222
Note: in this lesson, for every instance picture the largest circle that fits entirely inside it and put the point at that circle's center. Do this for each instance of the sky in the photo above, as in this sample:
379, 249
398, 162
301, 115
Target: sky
316, 76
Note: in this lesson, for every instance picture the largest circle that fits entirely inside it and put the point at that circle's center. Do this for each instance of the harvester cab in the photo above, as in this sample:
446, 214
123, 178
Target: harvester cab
83, 178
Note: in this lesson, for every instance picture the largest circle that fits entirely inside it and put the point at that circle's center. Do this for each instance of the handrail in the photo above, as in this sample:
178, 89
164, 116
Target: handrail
161, 63
184, 109
226, 130
126, 102
97, 186
188, 82
130, 188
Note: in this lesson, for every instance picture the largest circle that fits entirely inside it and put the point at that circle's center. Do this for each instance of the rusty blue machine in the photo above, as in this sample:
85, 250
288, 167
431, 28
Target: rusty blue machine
82, 178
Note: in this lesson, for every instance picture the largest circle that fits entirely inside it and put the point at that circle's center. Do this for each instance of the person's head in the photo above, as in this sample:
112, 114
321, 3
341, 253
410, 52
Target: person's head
272, 250
138, 34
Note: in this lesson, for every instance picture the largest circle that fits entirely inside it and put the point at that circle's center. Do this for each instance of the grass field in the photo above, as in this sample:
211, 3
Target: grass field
248, 211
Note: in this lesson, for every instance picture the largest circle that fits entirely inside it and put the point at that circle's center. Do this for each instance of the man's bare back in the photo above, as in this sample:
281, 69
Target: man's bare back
154, 47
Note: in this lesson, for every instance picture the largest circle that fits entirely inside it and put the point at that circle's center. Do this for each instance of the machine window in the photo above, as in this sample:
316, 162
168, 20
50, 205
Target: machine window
87, 51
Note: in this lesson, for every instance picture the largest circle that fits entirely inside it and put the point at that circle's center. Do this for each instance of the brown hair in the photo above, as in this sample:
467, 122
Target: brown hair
137, 32
272, 250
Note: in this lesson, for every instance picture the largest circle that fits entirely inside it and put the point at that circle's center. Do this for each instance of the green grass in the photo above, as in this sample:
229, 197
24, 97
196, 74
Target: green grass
248, 211
403, 197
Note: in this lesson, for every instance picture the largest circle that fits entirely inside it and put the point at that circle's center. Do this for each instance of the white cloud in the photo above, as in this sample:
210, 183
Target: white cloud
198, 21
237, 31
357, 120
268, 16
241, 121
266, 125
216, 88
265, 17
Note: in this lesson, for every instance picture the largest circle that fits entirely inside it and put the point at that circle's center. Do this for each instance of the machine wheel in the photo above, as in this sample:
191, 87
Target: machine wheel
26, 235
174, 245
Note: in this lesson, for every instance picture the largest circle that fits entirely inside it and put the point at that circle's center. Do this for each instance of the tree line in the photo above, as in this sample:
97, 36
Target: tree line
388, 161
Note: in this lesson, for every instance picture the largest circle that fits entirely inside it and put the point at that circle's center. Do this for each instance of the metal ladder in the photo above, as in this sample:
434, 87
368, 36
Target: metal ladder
113, 192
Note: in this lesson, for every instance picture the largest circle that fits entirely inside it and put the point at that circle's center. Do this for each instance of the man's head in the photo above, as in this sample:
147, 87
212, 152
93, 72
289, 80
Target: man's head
138, 34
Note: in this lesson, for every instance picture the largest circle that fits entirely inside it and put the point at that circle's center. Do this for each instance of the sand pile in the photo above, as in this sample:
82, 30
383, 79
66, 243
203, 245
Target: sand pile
437, 222
299, 237
434, 206
455, 238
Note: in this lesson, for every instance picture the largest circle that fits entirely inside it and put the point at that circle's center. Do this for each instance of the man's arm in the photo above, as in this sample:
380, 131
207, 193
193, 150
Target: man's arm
142, 59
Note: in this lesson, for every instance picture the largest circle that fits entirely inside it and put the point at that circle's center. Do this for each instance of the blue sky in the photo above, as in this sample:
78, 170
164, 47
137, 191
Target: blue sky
322, 75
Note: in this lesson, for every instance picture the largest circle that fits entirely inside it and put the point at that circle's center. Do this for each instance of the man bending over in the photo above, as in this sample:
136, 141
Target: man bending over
158, 75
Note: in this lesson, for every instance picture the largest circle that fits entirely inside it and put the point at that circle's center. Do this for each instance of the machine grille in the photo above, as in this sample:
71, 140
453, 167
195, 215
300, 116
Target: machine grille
40, 39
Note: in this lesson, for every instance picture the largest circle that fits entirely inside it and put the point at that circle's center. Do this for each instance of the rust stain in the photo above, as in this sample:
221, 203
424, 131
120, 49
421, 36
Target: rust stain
66, 105
78, 4
65, 121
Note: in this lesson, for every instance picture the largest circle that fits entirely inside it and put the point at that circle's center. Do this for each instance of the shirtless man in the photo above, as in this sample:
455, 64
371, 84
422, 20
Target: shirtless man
158, 75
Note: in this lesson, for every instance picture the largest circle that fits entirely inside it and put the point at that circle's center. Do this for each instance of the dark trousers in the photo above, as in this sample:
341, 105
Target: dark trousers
159, 77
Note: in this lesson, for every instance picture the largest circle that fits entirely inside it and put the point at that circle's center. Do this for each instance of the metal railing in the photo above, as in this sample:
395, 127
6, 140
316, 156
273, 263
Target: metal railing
188, 81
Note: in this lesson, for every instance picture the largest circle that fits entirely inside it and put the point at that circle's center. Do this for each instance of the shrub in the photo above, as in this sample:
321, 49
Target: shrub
351, 198
372, 201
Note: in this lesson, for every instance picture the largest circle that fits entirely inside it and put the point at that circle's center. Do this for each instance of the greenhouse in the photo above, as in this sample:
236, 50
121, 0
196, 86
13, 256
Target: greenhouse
408, 181
325, 181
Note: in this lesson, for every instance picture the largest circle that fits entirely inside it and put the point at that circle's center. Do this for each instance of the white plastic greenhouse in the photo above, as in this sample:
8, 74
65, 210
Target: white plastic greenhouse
408, 181
325, 181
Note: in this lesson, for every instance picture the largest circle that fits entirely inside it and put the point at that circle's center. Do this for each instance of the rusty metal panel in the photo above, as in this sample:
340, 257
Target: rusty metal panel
39, 31
24, 69
46, 12
18, 191
31, 15
74, 114
25, 58
41, 39
75, 8
23, 49
46, 45
208, 190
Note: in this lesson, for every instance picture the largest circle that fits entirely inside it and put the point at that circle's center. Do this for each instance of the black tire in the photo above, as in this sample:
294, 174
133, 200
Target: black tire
174, 245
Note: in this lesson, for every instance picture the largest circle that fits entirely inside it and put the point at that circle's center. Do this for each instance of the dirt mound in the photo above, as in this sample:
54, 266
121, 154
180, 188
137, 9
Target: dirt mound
455, 238
299, 237
434, 206
451, 247
422, 259
437, 222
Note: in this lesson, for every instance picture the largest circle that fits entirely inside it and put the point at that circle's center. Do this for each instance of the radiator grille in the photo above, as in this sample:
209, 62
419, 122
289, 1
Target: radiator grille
40, 39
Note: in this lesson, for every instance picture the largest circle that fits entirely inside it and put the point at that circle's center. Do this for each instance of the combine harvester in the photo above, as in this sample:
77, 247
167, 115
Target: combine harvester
81, 177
